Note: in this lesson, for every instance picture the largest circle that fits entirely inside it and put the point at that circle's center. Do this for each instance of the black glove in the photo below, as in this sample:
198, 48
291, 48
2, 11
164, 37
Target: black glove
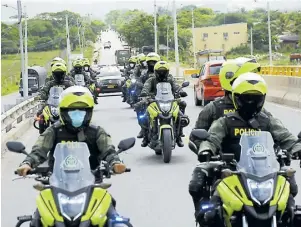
204, 156
183, 93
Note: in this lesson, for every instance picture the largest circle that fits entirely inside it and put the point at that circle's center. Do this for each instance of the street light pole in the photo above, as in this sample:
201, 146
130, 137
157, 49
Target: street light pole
176, 37
26, 55
78, 34
155, 26
193, 39
167, 44
24, 78
68, 45
270, 36
251, 37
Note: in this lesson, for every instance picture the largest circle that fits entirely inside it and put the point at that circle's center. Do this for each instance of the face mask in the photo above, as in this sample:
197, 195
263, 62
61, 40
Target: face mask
86, 68
132, 65
144, 64
77, 117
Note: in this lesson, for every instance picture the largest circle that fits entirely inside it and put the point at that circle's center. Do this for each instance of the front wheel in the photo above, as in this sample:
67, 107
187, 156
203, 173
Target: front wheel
166, 145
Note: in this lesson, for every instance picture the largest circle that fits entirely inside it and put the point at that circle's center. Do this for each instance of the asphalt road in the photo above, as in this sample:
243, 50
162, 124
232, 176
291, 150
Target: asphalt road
154, 193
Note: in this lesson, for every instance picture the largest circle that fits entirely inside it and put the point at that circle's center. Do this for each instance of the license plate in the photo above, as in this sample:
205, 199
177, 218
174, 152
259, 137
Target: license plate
111, 86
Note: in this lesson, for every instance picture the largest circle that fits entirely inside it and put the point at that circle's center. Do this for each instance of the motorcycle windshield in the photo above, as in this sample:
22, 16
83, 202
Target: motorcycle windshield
54, 96
164, 92
79, 79
257, 154
71, 170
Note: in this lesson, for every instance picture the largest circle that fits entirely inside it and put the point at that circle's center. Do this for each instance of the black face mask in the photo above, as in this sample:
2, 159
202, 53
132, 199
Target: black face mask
151, 66
58, 76
249, 105
78, 70
162, 75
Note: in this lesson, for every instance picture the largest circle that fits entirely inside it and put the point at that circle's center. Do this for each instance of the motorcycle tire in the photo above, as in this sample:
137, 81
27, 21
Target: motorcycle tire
166, 145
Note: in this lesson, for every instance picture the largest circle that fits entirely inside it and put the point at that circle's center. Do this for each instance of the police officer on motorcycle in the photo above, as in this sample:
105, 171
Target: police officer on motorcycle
230, 70
127, 69
140, 66
56, 60
58, 73
90, 78
248, 94
161, 70
76, 109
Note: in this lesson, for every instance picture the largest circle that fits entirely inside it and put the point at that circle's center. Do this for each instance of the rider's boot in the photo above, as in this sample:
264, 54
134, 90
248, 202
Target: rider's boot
180, 142
145, 140
141, 134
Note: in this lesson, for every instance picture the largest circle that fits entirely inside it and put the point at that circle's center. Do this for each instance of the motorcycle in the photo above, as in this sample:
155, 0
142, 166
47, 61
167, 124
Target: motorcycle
79, 80
134, 90
73, 195
50, 113
257, 192
163, 112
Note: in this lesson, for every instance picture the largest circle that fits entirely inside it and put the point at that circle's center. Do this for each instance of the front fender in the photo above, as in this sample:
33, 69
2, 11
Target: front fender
165, 127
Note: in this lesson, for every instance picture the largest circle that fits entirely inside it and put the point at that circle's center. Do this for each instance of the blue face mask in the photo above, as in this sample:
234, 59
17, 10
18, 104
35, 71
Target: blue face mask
77, 117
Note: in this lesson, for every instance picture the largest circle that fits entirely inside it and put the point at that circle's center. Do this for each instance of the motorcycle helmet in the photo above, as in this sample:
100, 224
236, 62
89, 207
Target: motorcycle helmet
133, 61
76, 107
151, 59
86, 65
78, 66
57, 59
161, 71
142, 60
248, 94
232, 69
58, 72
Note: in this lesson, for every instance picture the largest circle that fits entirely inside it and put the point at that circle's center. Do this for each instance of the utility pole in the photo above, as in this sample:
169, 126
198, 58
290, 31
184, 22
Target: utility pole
26, 55
155, 26
251, 34
270, 36
176, 37
167, 44
68, 45
78, 34
193, 39
24, 78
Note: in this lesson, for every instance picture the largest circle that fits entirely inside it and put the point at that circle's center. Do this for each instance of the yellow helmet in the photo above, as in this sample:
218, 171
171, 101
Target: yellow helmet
141, 58
59, 67
57, 59
133, 59
77, 63
234, 68
152, 57
76, 107
86, 63
248, 94
161, 71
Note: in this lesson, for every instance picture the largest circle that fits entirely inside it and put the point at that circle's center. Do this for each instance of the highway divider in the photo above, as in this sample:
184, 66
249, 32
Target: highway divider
16, 121
284, 83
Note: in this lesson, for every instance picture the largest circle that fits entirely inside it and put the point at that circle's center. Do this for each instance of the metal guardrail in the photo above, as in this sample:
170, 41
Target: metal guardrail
18, 113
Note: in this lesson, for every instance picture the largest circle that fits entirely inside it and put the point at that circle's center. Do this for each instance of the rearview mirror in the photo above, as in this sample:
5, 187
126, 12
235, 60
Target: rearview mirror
200, 134
194, 75
227, 157
185, 84
126, 144
16, 147
122, 70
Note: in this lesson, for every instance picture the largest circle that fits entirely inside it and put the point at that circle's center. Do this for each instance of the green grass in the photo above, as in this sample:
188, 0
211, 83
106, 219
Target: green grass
88, 52
11, 68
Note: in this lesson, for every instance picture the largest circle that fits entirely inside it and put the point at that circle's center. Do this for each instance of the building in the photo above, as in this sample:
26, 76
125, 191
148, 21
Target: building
223, 37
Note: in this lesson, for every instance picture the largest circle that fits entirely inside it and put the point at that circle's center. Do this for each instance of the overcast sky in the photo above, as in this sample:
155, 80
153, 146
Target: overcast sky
98, 8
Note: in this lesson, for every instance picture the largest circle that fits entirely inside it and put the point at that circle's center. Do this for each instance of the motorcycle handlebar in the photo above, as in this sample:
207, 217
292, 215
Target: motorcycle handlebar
30, 172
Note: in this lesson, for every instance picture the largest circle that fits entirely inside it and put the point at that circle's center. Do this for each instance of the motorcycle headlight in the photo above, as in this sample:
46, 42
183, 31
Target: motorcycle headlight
72, 207
133, 80
261, 192
165, 107
132, 91
54, 111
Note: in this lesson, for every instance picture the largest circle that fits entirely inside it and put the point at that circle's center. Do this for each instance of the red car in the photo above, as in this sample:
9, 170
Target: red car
207, 86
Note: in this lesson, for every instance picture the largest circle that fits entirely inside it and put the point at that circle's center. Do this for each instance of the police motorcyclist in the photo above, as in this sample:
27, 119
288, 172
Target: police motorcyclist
140, 66
90, 78
151, 59
55, 60
127, 69
76, 109
161, 71
214, 110
249, 91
